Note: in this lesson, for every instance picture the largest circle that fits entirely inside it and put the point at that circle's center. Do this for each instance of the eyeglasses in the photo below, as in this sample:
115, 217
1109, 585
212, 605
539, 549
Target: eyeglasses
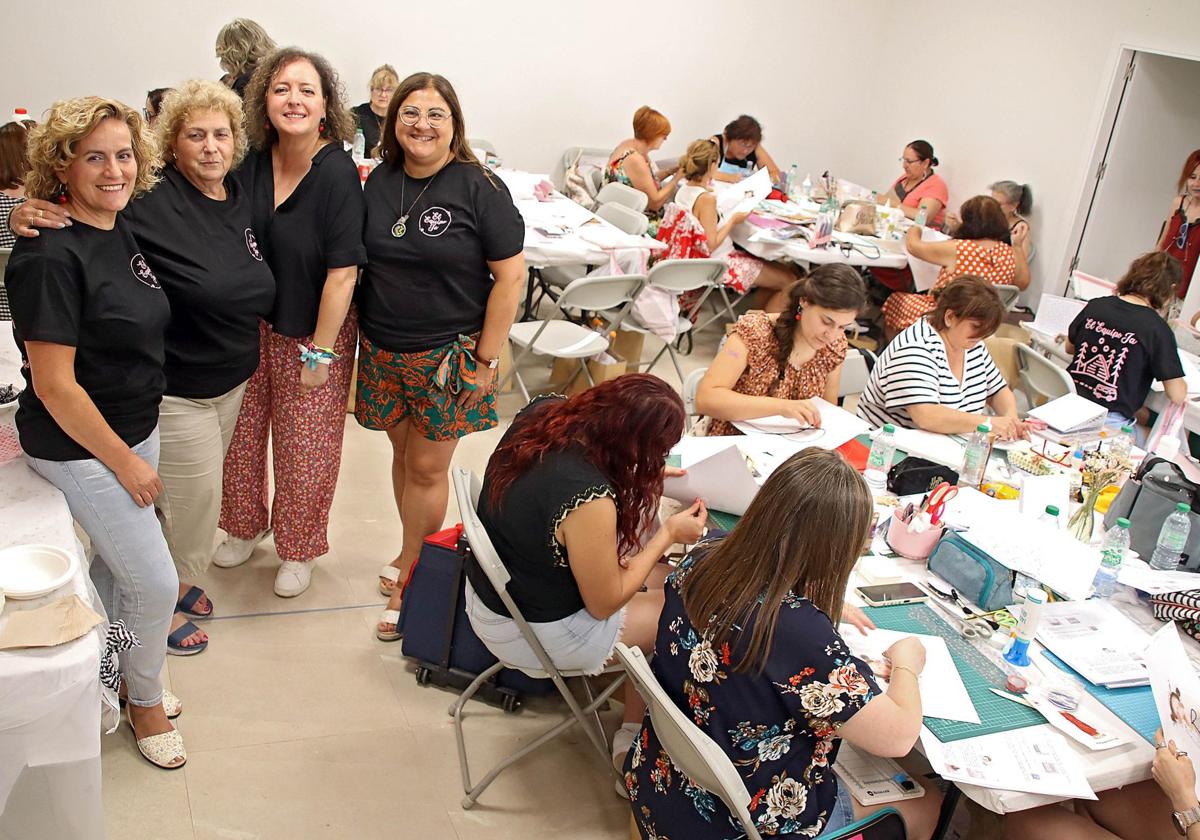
384, 91
909, 162
412, 116
1181, 240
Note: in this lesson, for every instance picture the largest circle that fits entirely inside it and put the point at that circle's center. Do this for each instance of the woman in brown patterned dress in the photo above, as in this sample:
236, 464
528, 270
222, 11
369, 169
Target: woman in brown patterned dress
776, 363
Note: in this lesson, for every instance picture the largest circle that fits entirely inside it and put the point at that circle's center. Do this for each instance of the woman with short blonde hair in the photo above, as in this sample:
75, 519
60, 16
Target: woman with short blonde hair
241, 44
370, 114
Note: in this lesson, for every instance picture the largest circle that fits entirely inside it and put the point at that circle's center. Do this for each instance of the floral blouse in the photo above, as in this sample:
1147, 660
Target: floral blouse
779, 727
615, 172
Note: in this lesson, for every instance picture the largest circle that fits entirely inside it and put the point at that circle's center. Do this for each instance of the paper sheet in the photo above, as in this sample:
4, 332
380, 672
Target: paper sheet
745, 195
1138, 574
925, 273
55, 623
943, 694
942, 449
1096, 640
1176, 690
1035, 759
1038, 491
837, 427
1055, 314
723, 479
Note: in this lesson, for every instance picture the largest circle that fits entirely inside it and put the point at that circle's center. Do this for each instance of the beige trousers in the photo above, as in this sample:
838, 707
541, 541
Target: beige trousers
195, 434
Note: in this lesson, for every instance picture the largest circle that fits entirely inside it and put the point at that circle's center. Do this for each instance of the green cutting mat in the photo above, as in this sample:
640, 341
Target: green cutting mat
978, 674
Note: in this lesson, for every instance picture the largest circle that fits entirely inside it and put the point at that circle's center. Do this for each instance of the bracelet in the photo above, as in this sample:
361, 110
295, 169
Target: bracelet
311, 355
906, 668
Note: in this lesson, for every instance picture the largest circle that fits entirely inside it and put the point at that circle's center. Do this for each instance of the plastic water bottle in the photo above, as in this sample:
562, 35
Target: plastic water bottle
1112, 554
1051, 517
806, 187
360, 145
921, 215
879, 461
1122, 444
1172, 539
793, 183
975, 458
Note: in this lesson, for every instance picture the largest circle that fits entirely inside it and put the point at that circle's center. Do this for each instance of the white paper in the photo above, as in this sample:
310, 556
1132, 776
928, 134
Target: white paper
1055, 314
1096, 640
745, 195
1070, 413
925, 274
943, 694
520, 184
723, 480
1035, 759
837, 427
1176, 690
941, 449
1138, 574
1038, 491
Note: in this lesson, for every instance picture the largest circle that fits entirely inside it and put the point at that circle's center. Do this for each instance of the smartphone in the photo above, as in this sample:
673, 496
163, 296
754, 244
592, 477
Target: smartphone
888, 594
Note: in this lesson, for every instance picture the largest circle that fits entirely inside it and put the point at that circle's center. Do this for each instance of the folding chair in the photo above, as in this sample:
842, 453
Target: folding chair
1008, 295
480, 143
855, 374
678, 277
633, 222
615, 192
690, 386
466, 491
564, 339
1041, 380
699, 758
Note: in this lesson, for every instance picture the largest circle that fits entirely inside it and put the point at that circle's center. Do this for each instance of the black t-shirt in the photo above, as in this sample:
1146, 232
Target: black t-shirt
371, 125
522, 529
90, 289
425, 288
1120, 348
319, 227
207, 259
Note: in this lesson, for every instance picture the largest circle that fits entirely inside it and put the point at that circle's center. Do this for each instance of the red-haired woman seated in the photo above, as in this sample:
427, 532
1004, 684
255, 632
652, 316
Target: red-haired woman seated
569, 499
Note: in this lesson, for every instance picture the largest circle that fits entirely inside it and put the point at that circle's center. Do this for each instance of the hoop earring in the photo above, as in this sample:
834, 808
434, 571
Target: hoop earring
321, 126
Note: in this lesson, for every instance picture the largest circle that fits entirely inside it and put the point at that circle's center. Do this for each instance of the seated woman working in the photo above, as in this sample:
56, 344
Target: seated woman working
775, 364
1120, 343
697, 231
919, 187
568, 499
740, 151
937, 375
748, 648
981, 247
629, 163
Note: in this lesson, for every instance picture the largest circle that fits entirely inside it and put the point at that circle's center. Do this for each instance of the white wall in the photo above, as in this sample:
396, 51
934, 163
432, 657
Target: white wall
1002, 90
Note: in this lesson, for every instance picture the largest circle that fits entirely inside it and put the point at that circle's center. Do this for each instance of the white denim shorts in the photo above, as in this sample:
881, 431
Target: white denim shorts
579, 642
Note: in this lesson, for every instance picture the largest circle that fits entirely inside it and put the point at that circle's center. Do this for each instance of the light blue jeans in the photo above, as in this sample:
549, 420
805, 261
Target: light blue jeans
131, 566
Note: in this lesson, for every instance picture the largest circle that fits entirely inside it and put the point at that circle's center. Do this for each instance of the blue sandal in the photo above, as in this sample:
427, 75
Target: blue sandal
190, 598
175, 644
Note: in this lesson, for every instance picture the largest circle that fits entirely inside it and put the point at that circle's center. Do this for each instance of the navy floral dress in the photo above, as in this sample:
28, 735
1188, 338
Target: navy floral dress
777, 726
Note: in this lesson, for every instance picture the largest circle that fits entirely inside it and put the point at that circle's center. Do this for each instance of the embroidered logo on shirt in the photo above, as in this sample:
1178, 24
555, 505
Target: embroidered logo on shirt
434, 221
142, 271
252, 245
1100, 360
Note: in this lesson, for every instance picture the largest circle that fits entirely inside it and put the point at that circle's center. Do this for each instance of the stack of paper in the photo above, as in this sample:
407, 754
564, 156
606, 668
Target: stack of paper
1097, 641
1035, 759
1055, 314
1071, 413
745, 195
1138, 574
942, 449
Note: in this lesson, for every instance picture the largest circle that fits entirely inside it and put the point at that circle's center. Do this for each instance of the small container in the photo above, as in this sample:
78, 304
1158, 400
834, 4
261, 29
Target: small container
912, 546
1016, 683
1064, 694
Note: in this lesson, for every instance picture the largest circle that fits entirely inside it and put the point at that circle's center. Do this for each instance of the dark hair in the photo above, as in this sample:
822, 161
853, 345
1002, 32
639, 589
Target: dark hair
924, 151
155, 97
1189, 166
983, 218
970, 298
833, 286
800, 537
339, 122
744, 127
390, 150
625, 428
1016, 194
1154, 276
14, 155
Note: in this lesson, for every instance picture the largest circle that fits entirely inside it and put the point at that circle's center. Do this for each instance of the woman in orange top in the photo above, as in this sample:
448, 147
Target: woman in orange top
919, 186
982, 246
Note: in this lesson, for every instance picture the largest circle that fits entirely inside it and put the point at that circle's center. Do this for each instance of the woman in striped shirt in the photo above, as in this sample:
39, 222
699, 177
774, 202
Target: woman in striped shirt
938, 376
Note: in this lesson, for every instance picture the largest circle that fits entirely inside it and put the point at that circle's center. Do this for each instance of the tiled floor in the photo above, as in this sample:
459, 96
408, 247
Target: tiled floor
299, 724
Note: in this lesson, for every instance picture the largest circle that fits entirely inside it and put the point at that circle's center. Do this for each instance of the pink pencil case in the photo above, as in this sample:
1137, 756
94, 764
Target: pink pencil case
912, 546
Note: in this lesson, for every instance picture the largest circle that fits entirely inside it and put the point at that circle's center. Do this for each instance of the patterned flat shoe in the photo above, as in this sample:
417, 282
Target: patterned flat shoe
164, 750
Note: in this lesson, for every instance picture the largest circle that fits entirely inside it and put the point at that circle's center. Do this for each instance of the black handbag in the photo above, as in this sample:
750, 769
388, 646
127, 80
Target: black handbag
917, 475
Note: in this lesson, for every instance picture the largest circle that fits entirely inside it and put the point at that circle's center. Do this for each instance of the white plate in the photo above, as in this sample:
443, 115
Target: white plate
30, 571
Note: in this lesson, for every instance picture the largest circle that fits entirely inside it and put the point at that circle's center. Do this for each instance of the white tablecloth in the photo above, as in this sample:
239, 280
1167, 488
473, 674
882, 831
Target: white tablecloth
868, 251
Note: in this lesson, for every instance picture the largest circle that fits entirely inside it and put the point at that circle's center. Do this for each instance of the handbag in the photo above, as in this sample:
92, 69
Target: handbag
856, 217
916, 475
658, 311
974, 573
575, 185
1147, 499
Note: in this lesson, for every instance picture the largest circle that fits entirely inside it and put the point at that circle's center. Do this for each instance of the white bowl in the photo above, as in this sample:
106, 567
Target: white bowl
30, 571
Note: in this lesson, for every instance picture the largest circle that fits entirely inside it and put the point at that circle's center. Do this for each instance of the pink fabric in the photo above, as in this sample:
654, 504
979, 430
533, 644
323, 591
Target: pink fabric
306, 448
931, 187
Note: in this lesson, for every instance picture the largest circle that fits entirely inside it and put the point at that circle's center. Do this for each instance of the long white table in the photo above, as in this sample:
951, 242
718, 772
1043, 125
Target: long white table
864, 251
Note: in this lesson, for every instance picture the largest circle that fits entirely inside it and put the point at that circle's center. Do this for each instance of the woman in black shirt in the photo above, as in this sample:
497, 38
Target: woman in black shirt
88, 315
370, 114
444, 276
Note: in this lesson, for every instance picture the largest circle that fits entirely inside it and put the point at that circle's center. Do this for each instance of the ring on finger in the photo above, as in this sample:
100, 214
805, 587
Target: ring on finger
1160, 746
40, 212
1181, 754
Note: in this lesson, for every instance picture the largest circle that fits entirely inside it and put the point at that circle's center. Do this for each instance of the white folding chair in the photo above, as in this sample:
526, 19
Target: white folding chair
480, 143
615, 192
691, 750
854, 373
677, 277
466, 491
564, 339
690, 386
633, 222
1008, 295
1040, 379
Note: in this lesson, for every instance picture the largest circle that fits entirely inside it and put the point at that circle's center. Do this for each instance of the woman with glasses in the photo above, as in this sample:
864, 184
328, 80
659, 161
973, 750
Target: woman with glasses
370, 114
740, 151
919, 187
443, 279
1181, 232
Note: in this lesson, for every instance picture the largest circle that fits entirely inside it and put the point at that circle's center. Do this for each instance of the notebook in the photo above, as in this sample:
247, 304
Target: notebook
1071, 413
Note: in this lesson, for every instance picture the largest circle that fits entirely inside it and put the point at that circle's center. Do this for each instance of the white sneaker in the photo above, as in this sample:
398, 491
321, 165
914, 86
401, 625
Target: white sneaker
293, 578
235, 552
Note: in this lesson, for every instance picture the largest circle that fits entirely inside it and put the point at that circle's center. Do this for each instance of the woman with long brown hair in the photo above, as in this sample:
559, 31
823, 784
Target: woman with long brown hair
748, 648
569, 499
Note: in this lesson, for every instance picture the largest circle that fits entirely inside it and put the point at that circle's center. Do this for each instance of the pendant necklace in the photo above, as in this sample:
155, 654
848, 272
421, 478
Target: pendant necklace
401, 226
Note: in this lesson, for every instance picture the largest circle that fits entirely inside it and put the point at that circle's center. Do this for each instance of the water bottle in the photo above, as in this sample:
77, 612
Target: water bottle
879, 461
1112, 554
975, 458
1051, 517
921, 216
806, 187
793, 183
1122, 444
1023, 584
1172, 539
360, 145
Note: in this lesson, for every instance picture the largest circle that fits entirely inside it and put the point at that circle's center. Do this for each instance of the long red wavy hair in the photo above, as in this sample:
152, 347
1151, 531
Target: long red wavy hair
625, 427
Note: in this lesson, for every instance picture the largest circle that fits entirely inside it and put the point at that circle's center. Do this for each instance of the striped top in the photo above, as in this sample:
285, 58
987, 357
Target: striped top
914, 370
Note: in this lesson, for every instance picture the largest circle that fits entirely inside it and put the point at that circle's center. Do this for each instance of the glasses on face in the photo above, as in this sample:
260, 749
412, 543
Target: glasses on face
384, 91
434, 116
908, 162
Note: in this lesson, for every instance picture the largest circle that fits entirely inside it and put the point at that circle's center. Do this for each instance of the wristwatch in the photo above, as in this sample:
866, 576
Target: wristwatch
1185, 819
490, 363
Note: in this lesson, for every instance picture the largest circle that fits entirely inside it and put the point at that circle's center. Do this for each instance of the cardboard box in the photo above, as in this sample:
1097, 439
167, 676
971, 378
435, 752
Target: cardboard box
627, 345
564, 369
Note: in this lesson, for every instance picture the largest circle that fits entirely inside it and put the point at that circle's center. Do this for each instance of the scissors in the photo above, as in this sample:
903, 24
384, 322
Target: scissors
936, 505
